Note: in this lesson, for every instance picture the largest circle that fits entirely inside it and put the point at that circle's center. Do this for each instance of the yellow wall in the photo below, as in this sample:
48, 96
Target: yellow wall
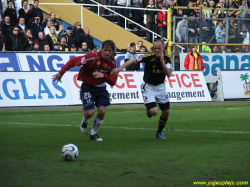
100, 28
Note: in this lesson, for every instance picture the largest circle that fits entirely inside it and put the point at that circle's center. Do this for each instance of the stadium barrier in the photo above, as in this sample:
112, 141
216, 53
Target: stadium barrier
52, 62
38, 88
44, 61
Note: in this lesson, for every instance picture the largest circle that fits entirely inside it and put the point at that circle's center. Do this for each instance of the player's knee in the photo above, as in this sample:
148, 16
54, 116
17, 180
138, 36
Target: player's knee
165, 113
101, 111
153, 111
89, 113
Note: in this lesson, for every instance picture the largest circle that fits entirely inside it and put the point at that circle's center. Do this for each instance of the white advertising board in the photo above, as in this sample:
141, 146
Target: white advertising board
38, 89
235, 84
43, 61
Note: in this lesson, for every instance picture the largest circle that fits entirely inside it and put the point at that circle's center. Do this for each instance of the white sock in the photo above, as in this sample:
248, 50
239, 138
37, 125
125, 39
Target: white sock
85, 120
96, 126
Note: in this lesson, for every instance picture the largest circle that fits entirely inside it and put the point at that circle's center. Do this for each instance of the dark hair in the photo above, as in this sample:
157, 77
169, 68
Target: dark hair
36, 42
159, 40
24, 1
108, 43
20, 18
15, 27
143, 46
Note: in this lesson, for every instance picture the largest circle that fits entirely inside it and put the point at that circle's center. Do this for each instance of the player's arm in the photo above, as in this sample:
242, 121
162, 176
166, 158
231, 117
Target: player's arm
76, 61
109, 78
128, 63
166, 70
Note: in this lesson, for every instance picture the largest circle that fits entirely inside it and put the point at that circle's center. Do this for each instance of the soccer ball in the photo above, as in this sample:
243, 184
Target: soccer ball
69, 152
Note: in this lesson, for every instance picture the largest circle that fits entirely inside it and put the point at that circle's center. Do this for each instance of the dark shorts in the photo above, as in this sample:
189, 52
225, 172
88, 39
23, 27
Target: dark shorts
162, 106
92, 96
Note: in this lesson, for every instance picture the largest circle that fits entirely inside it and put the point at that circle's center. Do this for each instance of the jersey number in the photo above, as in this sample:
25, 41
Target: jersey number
87, 95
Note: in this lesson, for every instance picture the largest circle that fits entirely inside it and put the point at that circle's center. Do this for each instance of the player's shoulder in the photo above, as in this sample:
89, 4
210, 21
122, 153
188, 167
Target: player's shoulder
148, 55
145, 57
168, 58
113, 60
166, 55
92, 56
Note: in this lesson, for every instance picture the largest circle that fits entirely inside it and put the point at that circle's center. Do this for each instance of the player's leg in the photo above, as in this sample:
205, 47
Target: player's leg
148, 94
87, 114
97, 124
101, 102
99, 119
151, 109
87, 98
165, 111
164, 104
101, 112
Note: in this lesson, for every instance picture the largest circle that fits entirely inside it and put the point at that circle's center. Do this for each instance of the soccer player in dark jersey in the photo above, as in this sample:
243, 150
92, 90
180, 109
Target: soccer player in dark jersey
94, 74
157, 66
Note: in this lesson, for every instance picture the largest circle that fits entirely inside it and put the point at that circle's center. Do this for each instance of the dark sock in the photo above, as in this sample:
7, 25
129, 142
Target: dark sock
162, 123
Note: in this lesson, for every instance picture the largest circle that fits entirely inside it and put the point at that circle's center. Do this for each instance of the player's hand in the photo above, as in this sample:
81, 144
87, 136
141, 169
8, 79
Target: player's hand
98, 75
57, 77
161, 56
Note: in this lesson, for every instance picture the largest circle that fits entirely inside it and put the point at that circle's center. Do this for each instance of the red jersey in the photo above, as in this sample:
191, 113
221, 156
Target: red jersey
90, 63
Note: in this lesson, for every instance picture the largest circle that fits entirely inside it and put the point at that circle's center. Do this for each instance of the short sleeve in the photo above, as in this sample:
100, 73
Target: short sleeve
140, 58
88, 58
169, 66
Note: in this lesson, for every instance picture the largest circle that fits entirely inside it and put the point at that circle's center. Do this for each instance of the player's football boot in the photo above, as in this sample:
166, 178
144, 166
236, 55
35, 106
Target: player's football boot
95, 137
83, 127
160, 135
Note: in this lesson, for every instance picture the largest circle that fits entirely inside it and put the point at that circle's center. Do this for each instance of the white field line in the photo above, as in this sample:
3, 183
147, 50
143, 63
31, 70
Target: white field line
239, 108
31, 115
130, 128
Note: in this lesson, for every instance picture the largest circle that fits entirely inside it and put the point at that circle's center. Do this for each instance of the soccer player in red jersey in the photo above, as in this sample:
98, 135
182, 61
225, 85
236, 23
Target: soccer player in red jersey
94, 74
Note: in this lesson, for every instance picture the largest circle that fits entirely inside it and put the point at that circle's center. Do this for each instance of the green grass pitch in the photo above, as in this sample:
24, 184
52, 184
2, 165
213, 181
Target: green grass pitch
204, 143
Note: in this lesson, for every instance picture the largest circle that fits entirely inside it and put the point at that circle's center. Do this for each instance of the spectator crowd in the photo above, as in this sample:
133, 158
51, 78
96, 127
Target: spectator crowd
23, 28
186, 22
